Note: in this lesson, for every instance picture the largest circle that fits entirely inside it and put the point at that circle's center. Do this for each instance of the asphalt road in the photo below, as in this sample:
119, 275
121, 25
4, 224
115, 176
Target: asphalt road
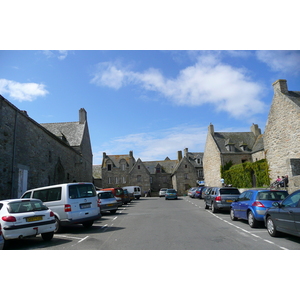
157, 224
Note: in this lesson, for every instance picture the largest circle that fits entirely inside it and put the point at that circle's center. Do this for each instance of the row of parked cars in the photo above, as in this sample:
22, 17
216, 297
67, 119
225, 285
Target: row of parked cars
46, 210
276, 209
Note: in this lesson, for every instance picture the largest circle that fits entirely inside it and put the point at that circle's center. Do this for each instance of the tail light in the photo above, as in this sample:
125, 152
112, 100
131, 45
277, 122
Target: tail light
99, 202
0, 230
218, 198
51, 213
9, 219
67, 207
258, 204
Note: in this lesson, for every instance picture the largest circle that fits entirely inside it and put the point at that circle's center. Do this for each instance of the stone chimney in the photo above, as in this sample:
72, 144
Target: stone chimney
131, 153
82, 116
255, 129
179, 155
280, 85
211, 129
186, 151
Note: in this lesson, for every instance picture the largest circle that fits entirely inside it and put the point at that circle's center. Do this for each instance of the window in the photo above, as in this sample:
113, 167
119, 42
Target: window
124, 179
123, 166
53, 194
109, 180
109, 167
139, 166
117, 180
185, 176
185, 166
77, 191
292, 201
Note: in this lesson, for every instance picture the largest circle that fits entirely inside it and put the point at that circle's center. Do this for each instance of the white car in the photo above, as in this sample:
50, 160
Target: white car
20, 218
162, 192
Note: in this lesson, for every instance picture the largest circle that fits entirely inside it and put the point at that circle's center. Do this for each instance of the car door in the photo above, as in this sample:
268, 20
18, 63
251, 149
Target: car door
245, 204
237, 203
287, 214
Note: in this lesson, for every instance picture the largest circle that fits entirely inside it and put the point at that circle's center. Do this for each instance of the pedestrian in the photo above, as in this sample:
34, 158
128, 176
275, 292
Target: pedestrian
222, 181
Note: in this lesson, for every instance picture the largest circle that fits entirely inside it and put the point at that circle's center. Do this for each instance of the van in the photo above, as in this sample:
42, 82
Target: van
118, 193
135, 190
71, 203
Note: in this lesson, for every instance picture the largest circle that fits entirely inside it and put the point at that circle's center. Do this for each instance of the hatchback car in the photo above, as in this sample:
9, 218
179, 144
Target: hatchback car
162, 192
171, 194
220, 198
192, 191
107, 202
20, 218
251, 205
284, 216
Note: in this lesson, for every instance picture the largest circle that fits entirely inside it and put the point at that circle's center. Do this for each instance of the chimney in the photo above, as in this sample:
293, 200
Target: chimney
186, 150
82, 116
211, 129
131, 153
281, 85
179, 155
255, 129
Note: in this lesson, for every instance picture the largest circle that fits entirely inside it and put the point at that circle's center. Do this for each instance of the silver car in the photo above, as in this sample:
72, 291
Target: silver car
107, 202
162, 192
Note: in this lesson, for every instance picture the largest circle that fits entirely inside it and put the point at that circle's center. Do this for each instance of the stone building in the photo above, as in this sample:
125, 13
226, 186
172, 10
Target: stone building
225, 147
124, 170
33, 154
282, 134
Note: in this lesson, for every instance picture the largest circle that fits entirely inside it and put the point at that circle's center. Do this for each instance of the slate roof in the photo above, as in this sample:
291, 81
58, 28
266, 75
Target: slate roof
70, 132
116, 159
168, 165
237, 139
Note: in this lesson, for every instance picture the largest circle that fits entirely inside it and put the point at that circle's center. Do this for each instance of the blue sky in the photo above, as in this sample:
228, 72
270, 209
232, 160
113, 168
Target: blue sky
153, 102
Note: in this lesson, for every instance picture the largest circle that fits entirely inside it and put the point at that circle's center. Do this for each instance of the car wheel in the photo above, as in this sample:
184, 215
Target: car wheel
58, 227
271, 227
113, 211
233, 218
213, 208
47, 236
251, 220
88, 224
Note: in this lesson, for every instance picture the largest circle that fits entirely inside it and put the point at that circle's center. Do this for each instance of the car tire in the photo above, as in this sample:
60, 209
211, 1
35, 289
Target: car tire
251, 220
88, 224
232, 217
47, 236
271, 228
213, 208
113, 211
58, 227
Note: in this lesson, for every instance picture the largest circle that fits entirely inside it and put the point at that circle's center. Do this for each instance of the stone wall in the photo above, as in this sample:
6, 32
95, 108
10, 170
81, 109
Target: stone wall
31, 156
282, 132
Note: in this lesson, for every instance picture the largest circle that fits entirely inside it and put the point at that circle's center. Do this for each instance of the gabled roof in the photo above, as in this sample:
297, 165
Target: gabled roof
168, 165
70, 132
117, 158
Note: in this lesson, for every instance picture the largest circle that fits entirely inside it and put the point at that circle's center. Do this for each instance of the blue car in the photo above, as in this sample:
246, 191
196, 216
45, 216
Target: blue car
251, 205
170, 194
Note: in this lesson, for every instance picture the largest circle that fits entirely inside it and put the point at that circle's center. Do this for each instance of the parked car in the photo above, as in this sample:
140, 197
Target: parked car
198, 192
1, 239
192, 191
107, 202
126, 198
284, 216
170, 194
251, 205
220, 198
118, 193
135, 190
162, 192
72, 203
21, 218
205, 191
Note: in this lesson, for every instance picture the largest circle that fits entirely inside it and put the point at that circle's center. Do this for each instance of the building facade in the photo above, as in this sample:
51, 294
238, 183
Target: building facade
34, 155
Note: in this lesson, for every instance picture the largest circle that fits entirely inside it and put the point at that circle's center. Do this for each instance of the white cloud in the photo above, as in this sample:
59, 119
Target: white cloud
281, 61
61, 54
22, 91
207, 81
156, 145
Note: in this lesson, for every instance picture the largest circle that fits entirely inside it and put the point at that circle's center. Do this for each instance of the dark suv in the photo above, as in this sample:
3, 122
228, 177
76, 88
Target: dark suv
220, 198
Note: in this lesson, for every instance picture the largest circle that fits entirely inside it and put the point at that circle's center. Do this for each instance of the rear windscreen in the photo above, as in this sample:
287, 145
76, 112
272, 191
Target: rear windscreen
26, 206
229, 192
105, 195
272, 195
81, 191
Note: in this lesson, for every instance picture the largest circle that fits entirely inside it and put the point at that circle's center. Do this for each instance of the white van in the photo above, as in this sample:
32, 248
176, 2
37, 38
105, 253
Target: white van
135, 190
72, 203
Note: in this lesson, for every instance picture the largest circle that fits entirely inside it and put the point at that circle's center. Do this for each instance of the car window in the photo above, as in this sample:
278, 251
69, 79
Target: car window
272, 195
105, 195
241, 196
26, 206
292, 200
81, 191
52, 194
229, 192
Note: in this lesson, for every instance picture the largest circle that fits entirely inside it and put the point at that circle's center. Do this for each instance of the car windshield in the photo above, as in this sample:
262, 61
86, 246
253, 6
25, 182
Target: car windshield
26, 206
105, 195
119, 192
272, 195
171, 191
229, 192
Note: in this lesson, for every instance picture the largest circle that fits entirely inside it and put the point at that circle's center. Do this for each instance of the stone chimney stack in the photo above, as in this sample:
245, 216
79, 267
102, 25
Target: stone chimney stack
255, 129
186, 150
280, 85
179, 155
211, 129
82, 116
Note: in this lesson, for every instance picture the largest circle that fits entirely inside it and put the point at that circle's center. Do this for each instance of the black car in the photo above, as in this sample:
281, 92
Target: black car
284, 216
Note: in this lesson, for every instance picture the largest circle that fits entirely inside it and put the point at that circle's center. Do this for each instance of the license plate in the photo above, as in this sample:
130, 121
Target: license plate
229, 201
33, 219
85, 205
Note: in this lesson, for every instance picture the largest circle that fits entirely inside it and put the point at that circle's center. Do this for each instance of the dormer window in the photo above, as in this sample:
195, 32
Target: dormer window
243, 146
229, 145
